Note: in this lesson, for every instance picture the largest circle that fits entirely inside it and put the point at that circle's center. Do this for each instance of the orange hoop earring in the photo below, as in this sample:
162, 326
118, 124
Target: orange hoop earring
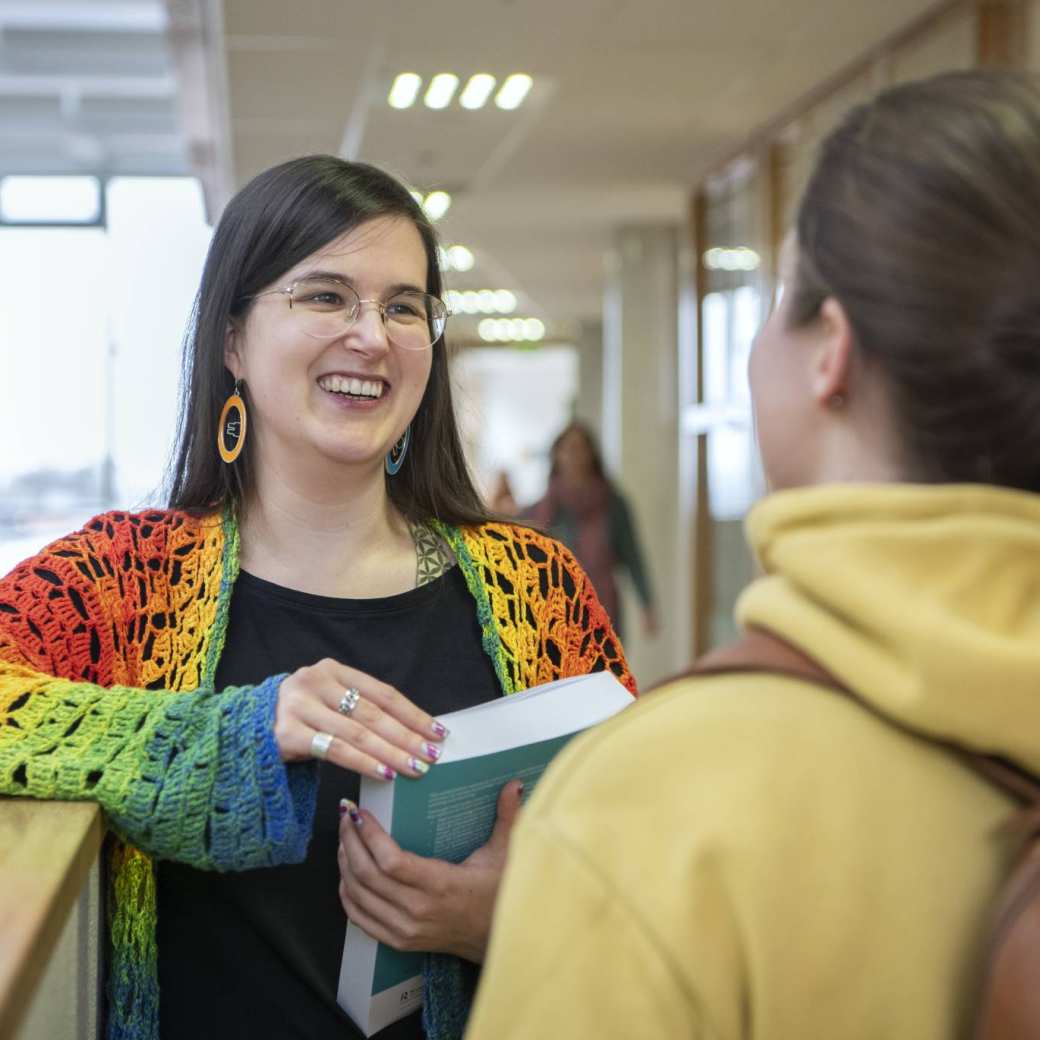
232, 428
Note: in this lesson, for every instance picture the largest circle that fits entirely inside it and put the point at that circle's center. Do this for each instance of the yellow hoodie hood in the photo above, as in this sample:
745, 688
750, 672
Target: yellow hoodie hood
925, 599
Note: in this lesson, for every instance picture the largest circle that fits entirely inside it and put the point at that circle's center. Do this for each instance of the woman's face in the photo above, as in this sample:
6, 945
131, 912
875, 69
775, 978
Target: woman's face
301, 409
574, 456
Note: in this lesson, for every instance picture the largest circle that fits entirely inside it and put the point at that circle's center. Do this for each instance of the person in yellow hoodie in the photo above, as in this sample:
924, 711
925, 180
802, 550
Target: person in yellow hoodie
754, 856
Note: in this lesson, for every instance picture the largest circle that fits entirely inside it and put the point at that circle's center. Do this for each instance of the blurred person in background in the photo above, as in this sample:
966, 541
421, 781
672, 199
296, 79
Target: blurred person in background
218, 675
754, 855
586, 511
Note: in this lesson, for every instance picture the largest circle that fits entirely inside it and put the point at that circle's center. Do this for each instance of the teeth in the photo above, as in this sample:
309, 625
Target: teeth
354, 387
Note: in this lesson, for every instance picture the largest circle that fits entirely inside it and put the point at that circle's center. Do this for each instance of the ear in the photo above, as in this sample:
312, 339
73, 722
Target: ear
832, 361
232, 358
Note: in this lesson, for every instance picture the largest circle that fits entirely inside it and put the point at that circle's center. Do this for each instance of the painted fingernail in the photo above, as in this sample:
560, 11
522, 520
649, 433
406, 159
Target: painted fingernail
419, 766
439, 730
344, 806
347, 806
431, 751
385, 772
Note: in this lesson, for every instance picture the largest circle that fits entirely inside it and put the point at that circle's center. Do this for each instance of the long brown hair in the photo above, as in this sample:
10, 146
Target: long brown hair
278, 219
922, 218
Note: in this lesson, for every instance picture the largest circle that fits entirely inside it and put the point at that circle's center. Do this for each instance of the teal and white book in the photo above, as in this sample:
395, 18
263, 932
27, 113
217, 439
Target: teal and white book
450, 813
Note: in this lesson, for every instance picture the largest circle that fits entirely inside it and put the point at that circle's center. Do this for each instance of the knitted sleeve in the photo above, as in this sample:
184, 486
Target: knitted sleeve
86, 709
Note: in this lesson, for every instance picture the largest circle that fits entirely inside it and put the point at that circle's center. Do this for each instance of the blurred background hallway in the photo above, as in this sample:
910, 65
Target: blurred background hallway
611, 181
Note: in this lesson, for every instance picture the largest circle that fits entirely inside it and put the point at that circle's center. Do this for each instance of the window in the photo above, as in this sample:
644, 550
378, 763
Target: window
91, 324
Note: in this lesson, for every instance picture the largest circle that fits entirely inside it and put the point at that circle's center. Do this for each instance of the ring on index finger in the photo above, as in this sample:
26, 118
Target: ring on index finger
349, 701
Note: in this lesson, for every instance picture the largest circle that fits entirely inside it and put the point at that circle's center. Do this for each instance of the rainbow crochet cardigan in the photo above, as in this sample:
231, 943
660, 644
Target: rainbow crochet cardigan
109, 642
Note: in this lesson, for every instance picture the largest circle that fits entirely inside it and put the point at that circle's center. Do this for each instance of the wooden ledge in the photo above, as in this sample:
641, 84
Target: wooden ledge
46, 851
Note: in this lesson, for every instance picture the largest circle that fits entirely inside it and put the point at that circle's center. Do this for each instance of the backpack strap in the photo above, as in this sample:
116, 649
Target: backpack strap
759, 650
1008, 1006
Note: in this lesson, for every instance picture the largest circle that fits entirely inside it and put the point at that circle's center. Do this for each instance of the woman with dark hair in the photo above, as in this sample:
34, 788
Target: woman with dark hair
583, 508
749, 853
218, 675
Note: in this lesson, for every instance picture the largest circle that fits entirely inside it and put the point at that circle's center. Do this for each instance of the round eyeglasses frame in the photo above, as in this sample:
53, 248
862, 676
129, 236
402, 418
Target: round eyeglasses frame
439, 312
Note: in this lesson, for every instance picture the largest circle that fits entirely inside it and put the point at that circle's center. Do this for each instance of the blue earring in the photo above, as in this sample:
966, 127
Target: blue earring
395, 456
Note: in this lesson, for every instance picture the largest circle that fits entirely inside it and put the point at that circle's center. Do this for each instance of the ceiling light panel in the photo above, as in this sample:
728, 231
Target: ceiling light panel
404, 90
436, 204
477, 91
441, 90
512, 93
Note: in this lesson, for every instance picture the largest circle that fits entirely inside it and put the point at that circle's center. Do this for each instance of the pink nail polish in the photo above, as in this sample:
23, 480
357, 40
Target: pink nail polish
439, 730
344, 807
431, 751
355, 817
386, 772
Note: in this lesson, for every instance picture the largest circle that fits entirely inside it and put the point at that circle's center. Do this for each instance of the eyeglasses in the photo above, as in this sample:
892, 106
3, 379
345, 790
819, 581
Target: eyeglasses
326, 307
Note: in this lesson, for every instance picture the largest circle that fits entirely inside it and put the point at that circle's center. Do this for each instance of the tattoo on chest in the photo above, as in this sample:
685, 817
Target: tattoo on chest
433, 557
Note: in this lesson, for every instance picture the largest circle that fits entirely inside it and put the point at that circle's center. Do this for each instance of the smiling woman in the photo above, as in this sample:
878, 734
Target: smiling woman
325, 582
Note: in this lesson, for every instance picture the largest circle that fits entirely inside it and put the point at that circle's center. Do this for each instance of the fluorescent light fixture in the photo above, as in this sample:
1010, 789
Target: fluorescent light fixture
57, 200
511, 330
739, 259
460, 258
480, 301
512, 93
505, 301
477, 91
533, 329
436, 204
441, 90
405, 90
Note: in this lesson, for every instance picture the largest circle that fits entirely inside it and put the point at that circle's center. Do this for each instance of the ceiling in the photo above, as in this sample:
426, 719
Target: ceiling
633, 101
88, 87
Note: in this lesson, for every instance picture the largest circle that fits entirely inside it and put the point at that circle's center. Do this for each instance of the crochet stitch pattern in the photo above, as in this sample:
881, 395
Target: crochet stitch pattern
109, 642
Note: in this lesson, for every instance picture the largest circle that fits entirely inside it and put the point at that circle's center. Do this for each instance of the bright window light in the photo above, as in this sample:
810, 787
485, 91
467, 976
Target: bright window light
436, 204
512, 93
56, 200
477, 91
441, 90
405, 90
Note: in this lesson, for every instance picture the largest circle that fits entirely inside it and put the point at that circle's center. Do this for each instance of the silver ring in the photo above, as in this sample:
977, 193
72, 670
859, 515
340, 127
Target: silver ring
320, 744
349, 700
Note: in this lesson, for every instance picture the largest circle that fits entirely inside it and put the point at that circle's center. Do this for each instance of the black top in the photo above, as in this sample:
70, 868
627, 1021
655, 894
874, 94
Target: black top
257, 952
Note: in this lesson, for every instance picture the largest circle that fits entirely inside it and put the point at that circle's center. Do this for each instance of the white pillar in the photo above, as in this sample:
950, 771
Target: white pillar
588, 402
641, 431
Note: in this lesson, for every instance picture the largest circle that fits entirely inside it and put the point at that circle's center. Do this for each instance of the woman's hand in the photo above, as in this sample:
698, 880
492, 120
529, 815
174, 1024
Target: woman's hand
384, 734
414, 903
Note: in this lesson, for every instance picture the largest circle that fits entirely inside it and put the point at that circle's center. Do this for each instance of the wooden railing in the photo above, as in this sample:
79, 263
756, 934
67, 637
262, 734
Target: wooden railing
49, 919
